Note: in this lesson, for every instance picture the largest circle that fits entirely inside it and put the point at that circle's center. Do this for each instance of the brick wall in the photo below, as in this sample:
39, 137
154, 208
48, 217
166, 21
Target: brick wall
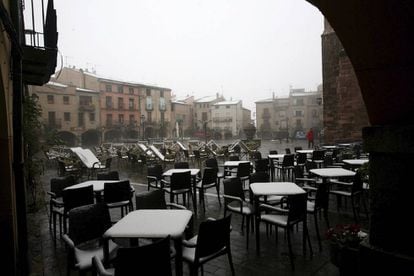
344, 110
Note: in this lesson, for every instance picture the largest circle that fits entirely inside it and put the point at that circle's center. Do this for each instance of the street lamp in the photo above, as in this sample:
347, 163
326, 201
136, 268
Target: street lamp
143, 126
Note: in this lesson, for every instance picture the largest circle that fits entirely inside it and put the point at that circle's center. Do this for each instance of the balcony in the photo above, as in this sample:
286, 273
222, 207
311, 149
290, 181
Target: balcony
40, 50
87, 108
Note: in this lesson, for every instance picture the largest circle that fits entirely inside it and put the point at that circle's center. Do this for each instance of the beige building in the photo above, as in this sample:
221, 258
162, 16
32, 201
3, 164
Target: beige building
299, 112
202, 112
229, 119
128, 110
182, 117
72, 111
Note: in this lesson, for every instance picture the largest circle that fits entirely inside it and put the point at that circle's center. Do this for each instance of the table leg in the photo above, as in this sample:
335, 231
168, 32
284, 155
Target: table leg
257, 216
178, 256
105, 246
194, 193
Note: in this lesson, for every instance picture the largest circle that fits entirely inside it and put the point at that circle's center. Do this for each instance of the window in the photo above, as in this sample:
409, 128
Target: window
163, 106
149, 117
227, 106
131, 119
50, 99
85, 100
162, 117
81, 121
131, 104
52, 118
131, 91
298, 122
161, 93
66, 116
217, 107
120, 89
91, 117
108, 102
299, 113
109, 120
148, 91
121, 118
314, 113
298, 101
204, 116
120, 103
148, 104
65, 99
108, 88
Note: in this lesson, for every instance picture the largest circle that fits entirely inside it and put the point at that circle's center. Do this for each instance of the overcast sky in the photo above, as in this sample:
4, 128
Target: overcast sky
245, 49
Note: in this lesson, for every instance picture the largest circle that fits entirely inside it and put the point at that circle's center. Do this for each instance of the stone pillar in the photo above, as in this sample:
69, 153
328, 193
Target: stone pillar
390, 247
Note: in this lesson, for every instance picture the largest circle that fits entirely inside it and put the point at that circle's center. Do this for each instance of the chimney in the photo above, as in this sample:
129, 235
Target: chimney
217, 95
273, 95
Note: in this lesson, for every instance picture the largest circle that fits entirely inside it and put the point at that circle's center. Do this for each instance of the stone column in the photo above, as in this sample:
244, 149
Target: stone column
390, 248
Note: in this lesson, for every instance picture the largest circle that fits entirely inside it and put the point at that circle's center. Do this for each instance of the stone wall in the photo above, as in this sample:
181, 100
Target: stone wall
344, 111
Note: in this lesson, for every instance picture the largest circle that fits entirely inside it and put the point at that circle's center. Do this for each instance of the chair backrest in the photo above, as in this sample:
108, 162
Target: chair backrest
298, 171
259, 177
318, 155
181, 180
112, 175
213, 237
88, 222
181, 165
155, 170
233, 187
273, 152
297, 148
197, 154
301, 158
297, 207
108, 163
73, 198
288, 160
287, 151
117, 191
234, 158
261, 165
57, 185
243, 169
257, 155
154, 199
209, 176
328, 160
151, 259
211, 162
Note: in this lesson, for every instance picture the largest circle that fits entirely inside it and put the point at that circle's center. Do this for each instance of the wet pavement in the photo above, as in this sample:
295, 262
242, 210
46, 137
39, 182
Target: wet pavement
49, 258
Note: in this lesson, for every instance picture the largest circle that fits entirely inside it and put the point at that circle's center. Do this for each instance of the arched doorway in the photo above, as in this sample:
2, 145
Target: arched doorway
68, 138
91, 137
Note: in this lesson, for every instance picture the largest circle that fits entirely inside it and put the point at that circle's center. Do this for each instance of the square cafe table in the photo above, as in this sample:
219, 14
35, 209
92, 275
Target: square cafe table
194, 173
151, 224
267, 189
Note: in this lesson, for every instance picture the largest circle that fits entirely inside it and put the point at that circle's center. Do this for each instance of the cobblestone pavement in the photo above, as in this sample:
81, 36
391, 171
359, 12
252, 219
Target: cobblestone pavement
49, 258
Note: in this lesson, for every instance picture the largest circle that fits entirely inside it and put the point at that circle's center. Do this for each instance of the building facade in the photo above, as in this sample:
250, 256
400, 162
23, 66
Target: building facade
227, 119
71, 111
127, 110
285, 117
182, 117
202, 112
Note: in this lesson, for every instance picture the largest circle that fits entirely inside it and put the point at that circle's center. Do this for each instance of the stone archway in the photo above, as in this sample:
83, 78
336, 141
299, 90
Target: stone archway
91, 137
378, 37
68, 138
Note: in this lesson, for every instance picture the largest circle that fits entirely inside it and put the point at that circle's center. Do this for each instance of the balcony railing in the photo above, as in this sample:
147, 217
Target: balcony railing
88, 107
40, 49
